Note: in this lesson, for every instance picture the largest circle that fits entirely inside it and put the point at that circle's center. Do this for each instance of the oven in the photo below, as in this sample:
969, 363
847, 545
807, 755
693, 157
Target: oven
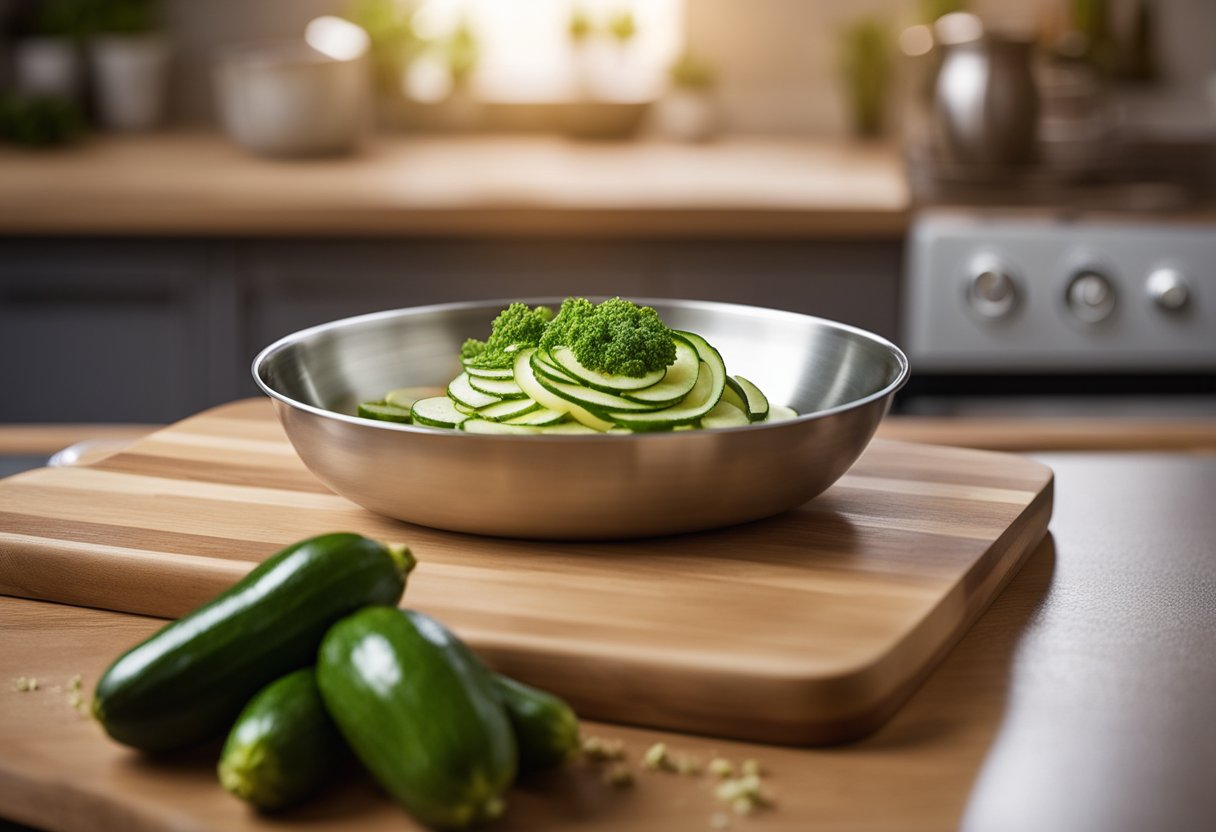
1008, 314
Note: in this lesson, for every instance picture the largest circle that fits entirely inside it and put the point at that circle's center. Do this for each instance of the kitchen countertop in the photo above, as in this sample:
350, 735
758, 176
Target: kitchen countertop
1080, 700
201, 184
995, 434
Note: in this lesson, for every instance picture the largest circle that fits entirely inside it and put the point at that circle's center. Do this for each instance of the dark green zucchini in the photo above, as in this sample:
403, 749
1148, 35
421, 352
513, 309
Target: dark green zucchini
546, 729
188, 682
283, 747
421, 713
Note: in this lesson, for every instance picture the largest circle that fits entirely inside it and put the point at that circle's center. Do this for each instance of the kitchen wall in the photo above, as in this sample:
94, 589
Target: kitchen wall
777, 58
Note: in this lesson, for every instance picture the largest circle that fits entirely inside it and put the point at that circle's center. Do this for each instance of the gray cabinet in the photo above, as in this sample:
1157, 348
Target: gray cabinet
291, 285
153, 330
104, 331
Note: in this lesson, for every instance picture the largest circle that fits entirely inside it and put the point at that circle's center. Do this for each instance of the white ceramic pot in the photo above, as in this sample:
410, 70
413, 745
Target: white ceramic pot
130, 74
287, 99
687, 115
49, 66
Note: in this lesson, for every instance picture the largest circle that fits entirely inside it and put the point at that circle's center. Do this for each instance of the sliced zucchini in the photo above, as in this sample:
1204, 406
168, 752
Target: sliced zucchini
406, 396
757, 402
486, 426
506, 410
591, 398
437, 412
725, 415
780, 413
540, 417
734, 394
489, 372
544, 364
383, 412
526, 379
704, 395
504, 388
571, 428
564, 357
461, 391
679, 379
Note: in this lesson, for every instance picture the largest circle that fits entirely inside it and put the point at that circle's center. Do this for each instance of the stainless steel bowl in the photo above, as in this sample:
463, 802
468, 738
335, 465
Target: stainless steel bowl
579, 487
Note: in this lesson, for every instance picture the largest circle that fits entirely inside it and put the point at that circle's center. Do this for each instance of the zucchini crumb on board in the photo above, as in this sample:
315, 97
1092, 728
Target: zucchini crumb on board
75, 698
658, 758
598, 749
744, 794
619, 775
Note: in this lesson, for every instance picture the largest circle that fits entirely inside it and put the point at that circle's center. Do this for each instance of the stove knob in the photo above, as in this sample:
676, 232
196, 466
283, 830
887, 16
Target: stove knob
1091, 297
992, 293
1168, 289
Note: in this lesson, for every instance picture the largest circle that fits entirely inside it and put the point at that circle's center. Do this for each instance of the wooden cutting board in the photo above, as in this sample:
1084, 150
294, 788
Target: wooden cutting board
807, 628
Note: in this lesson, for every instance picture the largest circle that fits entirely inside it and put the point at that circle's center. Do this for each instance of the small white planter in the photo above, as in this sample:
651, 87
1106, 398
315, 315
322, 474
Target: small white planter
287, 99
687, 115
49, 66
130, 74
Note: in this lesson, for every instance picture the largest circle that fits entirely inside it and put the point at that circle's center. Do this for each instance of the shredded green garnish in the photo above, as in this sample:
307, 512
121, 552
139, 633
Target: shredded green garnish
617, 337
517, 327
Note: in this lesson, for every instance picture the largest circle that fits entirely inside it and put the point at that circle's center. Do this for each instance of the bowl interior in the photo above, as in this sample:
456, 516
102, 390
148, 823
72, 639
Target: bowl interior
807, 363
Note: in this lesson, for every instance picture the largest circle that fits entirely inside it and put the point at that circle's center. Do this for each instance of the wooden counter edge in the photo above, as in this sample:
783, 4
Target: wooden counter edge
1014, 435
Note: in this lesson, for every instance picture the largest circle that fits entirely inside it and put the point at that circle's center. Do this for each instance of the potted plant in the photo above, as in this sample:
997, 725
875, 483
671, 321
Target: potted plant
47, 60
689, 110
130, 61
865, 65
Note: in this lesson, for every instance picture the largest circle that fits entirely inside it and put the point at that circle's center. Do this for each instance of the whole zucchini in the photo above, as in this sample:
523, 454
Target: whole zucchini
421, 713
188, 682
546, 729
284, 745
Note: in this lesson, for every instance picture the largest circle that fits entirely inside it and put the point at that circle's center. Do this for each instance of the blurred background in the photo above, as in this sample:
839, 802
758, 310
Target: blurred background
1019, 192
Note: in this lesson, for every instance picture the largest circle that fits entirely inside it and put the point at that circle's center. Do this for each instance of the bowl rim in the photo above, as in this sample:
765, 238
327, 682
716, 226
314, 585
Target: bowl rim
290, 339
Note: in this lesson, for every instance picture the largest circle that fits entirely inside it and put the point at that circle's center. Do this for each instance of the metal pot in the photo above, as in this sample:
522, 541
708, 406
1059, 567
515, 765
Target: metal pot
985, 104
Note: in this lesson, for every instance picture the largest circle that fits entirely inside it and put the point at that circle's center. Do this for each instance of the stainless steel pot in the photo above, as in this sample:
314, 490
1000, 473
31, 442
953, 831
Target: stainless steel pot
985, 104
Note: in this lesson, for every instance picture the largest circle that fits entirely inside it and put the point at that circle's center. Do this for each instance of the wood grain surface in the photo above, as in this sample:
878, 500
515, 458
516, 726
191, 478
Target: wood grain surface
203, 184
810, 627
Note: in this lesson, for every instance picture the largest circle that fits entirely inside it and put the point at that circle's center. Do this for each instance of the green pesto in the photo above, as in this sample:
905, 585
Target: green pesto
617, 337
516, 327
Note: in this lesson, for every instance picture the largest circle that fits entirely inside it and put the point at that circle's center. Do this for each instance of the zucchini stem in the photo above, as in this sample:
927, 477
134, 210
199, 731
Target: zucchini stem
402, 557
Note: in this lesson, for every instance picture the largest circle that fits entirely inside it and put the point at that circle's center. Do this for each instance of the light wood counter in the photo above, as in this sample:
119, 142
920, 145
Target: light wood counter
1080, 700
203, 185
1015, 435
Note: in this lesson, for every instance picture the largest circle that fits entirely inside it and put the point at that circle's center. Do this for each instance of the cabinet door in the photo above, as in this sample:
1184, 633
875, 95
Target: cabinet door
101, 331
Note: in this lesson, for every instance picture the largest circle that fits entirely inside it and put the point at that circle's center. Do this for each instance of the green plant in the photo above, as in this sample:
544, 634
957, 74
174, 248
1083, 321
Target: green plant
622, 26
866, 68
393, 40
462, 52
62, 18
691, 72
126, 17
579, 26
40, 122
